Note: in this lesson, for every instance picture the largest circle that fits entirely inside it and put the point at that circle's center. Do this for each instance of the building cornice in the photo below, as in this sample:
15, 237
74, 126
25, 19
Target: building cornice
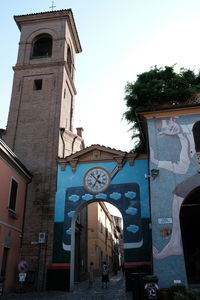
165, 112
99, 154
9, 156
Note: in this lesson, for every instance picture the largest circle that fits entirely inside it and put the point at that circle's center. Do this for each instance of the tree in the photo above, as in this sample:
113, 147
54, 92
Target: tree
155, 88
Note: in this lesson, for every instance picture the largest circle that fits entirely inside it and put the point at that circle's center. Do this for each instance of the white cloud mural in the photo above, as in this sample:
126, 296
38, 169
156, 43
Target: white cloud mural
71, 213
130, 195
132, 228
87, 197
74, 198
131, 211
101, 196
115, 196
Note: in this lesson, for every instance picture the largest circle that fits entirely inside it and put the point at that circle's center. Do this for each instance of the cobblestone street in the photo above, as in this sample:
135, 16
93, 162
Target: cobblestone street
115, 291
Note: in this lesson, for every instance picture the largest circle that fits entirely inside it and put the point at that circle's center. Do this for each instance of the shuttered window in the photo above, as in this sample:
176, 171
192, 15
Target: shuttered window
13, 194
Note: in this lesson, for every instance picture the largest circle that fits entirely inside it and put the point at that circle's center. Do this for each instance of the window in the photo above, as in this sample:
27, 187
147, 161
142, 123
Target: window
37, 84
42, 46
13, 195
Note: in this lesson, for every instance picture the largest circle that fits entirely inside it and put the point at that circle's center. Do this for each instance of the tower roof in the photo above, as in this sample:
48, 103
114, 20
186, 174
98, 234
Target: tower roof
50, 15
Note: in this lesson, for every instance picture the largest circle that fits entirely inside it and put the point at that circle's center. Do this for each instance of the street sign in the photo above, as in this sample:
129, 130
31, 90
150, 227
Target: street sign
23, 266
42, 237
22, 277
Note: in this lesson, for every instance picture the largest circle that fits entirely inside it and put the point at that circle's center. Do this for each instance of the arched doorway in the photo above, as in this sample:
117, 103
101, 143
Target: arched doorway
97, 236
190, 228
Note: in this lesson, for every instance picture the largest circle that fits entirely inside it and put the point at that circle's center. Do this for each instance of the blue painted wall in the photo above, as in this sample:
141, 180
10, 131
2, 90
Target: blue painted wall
128, 191
173, 154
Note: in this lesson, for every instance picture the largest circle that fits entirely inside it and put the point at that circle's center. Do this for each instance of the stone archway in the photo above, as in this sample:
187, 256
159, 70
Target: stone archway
190, 228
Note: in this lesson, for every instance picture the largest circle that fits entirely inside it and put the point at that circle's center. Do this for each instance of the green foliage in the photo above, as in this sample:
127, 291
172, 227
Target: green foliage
157, 87
176, 288
189, 295
179, 292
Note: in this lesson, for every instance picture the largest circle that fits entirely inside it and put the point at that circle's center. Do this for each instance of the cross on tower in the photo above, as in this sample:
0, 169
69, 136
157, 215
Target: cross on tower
52, 6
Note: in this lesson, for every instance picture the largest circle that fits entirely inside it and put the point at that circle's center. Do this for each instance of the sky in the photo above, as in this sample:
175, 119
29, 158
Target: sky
120, 39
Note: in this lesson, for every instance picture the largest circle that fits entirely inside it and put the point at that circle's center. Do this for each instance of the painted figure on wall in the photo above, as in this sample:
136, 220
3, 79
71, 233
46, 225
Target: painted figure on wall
170, 127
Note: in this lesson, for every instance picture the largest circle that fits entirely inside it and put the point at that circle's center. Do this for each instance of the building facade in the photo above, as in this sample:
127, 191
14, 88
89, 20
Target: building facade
159, 192
174, 140
13, 188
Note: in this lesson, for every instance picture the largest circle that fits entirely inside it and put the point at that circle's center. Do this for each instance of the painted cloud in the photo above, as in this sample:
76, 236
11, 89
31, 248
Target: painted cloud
131, 211
74, 198
71, 213
69, 231
115, 196
101, 196
87, 197
132, 228
130, 195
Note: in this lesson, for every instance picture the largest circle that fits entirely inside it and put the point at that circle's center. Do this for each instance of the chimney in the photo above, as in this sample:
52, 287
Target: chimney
2, 132
79, 131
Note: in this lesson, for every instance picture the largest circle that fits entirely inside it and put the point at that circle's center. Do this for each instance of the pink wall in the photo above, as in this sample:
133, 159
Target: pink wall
11, 228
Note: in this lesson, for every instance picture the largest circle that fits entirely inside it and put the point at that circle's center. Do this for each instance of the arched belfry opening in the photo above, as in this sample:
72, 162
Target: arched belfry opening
42, 46
190, 227
70, 64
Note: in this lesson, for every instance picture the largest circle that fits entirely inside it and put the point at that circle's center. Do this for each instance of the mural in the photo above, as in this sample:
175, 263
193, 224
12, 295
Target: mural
126, 197
127, 190
172, 148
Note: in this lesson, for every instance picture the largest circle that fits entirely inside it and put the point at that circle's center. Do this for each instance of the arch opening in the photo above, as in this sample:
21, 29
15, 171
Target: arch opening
70, 63
101, 225
190, 227
42, 46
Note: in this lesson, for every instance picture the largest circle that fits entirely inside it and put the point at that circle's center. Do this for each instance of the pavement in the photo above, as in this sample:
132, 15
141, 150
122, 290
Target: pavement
114, 291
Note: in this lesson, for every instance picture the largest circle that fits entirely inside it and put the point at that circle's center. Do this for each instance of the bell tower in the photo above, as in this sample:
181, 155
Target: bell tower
40, 122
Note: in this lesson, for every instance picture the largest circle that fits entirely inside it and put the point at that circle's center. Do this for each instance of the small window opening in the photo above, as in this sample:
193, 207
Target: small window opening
13, 195
37, 84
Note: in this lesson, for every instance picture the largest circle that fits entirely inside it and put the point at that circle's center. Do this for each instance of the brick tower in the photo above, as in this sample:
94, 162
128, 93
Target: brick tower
40, 121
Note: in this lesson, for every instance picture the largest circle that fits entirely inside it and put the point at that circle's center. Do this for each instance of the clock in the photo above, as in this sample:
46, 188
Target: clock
96, 180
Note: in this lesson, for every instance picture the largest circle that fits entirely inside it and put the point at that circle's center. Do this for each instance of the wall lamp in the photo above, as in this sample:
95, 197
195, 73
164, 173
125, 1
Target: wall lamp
154, 173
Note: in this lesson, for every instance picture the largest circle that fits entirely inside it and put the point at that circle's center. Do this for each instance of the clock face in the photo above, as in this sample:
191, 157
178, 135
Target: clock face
96, 180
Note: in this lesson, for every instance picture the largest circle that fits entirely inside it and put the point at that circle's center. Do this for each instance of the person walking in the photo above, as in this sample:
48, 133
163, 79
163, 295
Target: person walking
105, 276
91, 275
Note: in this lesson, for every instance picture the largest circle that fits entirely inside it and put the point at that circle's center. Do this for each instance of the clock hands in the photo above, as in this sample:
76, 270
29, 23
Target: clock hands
96, 179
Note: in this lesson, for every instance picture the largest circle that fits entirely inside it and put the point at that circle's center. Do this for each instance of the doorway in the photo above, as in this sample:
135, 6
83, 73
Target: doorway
190, 228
